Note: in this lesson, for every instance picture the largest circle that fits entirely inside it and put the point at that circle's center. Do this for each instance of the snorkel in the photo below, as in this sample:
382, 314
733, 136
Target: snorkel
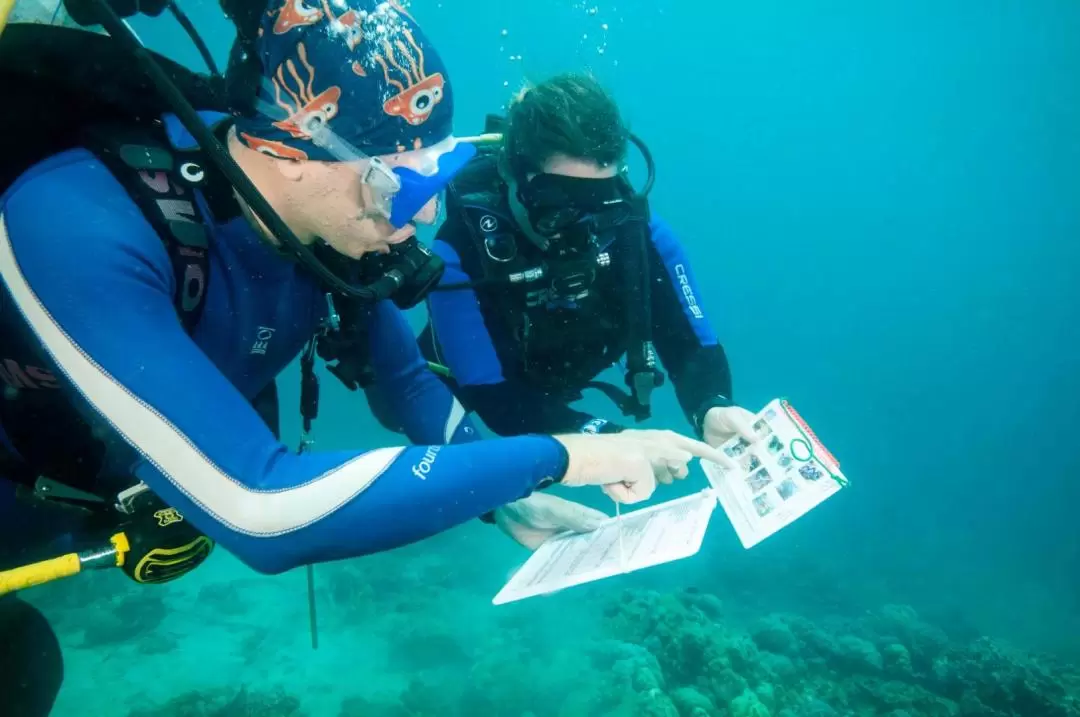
409, 270
404, 275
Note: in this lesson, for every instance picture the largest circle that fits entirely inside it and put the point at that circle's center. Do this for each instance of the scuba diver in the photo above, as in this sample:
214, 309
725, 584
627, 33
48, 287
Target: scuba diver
555, 269
160, 265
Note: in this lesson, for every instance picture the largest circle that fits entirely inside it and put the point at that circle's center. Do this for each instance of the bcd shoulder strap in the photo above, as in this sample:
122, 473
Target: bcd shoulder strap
474, 205
163, 183
642, 373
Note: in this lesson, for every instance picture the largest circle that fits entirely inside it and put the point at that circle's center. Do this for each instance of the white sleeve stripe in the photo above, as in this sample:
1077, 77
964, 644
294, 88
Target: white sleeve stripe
261, 513
457, 414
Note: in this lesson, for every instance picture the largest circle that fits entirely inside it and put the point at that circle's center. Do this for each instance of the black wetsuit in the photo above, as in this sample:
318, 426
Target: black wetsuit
518, 368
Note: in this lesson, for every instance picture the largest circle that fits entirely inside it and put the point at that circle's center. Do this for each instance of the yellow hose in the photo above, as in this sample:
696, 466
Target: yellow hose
28, 576
46, 571
6, 6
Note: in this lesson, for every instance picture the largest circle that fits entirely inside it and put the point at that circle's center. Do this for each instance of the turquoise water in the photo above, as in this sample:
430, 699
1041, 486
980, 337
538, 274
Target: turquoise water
883, 202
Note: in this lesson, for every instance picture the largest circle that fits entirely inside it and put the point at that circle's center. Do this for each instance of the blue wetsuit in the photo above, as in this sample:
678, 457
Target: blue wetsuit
519, 368
83, 270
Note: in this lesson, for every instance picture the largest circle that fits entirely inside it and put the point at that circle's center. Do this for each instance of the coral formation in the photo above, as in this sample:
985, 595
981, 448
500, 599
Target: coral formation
676, 655
887, 662
634, 653
226, 703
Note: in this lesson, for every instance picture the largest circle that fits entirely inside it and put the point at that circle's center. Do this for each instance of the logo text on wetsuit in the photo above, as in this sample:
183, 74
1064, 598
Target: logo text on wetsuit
178, 213
262, 339
688, 292
421, 469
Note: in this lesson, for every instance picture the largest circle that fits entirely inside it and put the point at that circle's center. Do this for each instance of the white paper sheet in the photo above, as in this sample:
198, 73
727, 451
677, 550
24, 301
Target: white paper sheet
781, 477
660, 534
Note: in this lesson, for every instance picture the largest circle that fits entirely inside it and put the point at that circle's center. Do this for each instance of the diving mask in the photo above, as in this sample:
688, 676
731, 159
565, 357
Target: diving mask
557, 204
400, 192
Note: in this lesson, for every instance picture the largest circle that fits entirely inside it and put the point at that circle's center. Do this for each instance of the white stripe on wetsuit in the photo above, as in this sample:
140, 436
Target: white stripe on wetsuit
241, 507
457, 415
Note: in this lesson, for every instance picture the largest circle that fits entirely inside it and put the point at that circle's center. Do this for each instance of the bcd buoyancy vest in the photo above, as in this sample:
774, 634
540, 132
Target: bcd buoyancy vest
559, 343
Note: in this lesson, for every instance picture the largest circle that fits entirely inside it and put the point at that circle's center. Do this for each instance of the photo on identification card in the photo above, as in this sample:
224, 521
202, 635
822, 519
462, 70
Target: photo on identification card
758, 480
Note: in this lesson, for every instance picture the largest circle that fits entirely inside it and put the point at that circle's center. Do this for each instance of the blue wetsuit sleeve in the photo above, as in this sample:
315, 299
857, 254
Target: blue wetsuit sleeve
508, 405
94, 284
422, 404
684, 337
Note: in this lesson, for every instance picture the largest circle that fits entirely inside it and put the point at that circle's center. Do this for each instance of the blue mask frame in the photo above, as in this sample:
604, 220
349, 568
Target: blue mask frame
418, 189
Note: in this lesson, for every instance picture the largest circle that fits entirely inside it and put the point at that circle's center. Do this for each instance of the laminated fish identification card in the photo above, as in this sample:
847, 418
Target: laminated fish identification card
640, 539
781, 477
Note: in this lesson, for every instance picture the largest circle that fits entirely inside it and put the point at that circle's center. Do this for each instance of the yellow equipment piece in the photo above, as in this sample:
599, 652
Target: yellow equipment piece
6, 6
28, 576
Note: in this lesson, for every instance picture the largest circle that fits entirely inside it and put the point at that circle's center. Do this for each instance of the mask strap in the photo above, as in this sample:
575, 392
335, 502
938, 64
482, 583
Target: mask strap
326, 138
521, 215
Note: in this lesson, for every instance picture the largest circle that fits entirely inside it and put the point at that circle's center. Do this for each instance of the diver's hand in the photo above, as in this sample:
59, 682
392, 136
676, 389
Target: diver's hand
721, 424
628, 465
532, 520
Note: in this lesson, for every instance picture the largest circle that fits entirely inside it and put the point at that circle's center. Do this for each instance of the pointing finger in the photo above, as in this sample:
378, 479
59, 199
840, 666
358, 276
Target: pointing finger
675, 464
680, 471
699, 449
727, 463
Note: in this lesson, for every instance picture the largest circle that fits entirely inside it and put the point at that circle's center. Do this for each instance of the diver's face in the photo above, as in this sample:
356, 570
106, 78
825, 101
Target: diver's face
341, 209
557, 200
329, 200
577, 167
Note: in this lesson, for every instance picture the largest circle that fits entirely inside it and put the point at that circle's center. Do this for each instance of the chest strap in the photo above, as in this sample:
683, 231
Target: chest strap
165, 185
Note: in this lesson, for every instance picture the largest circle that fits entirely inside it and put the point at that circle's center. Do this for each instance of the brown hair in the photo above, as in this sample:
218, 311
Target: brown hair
570, 114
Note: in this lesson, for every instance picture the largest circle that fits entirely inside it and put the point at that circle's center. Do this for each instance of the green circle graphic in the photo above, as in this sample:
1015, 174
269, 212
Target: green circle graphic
806, 446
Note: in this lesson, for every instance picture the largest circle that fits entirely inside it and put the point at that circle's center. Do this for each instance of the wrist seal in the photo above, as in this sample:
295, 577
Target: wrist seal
556, 476
716, 401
